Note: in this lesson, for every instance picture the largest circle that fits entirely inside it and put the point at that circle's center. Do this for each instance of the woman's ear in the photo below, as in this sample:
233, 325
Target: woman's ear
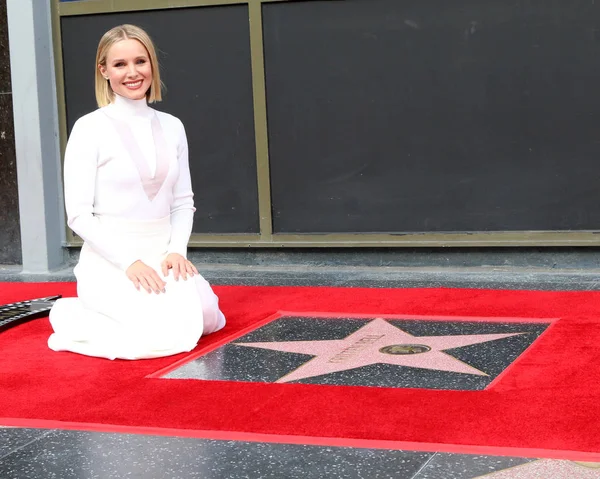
102, 69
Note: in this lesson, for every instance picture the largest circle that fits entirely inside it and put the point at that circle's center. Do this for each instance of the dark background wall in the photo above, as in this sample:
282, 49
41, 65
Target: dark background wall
10, 237
384, 116
412, 115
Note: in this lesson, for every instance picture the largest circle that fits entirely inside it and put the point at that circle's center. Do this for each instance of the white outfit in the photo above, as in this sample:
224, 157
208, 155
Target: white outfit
128, 195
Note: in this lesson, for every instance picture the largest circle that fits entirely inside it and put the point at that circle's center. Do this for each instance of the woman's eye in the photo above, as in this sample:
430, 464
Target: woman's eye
120, 64
141, 61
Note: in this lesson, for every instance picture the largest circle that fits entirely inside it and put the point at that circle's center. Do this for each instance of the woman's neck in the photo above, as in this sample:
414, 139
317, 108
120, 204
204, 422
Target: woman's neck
128, 106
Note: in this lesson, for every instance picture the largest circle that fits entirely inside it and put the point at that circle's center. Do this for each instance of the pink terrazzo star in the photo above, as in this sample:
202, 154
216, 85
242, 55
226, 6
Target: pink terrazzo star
378, 342
545, 469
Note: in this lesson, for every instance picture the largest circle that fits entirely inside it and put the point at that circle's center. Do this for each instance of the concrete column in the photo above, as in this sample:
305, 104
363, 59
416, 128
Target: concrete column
36, 134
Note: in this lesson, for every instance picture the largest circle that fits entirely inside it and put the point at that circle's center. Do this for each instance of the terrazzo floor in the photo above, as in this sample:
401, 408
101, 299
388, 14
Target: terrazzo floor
58, 454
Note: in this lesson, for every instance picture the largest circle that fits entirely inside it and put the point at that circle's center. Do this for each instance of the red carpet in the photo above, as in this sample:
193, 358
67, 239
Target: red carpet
547, 404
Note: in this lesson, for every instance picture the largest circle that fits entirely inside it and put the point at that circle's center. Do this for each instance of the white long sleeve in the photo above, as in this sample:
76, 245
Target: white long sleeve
102, 180
182, 207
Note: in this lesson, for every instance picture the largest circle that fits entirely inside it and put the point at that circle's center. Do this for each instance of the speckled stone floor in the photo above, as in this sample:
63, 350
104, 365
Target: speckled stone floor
56, 454
62, 454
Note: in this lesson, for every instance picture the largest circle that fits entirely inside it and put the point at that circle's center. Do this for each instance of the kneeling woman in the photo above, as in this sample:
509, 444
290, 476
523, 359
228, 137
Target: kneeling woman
128, 195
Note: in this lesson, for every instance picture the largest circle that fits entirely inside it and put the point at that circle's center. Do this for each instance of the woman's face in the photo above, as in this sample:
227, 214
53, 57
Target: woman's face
128, 69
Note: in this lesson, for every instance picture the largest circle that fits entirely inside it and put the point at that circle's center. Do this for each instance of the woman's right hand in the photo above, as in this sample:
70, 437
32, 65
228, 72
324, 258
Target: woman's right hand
143, 275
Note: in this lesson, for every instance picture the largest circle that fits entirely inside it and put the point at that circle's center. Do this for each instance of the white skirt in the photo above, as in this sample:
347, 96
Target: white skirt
110, 318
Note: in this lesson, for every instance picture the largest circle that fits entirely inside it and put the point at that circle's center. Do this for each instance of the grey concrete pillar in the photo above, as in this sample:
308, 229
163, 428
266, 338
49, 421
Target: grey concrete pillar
36, 134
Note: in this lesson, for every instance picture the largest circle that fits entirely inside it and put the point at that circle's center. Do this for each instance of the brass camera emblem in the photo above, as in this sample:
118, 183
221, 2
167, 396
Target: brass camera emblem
405, 349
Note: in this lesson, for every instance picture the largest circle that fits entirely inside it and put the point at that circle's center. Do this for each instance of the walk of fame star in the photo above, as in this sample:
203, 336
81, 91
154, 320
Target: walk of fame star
464, 354
17, 313
379, 342
545, 468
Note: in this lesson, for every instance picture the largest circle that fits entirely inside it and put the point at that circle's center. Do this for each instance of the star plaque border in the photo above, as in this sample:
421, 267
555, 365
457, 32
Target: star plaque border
431, 352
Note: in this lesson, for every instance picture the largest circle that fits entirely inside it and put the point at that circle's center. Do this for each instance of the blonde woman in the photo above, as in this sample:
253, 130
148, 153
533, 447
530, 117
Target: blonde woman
128, 195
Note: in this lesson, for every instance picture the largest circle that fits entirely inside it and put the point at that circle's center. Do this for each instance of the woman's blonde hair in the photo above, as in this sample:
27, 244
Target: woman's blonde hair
104, 92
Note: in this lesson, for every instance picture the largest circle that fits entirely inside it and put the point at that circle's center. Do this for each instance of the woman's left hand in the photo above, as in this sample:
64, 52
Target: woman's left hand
180, 266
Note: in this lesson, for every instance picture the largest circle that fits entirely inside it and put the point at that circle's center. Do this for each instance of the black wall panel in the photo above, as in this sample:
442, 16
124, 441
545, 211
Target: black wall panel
205, 63
430, 115
10, 233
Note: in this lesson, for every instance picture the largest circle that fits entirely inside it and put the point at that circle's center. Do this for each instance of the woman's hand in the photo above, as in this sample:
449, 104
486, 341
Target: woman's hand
143, 275
180, 266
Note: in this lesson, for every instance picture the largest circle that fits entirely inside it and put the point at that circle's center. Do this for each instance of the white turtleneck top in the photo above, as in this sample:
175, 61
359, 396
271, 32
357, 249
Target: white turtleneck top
127, 161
